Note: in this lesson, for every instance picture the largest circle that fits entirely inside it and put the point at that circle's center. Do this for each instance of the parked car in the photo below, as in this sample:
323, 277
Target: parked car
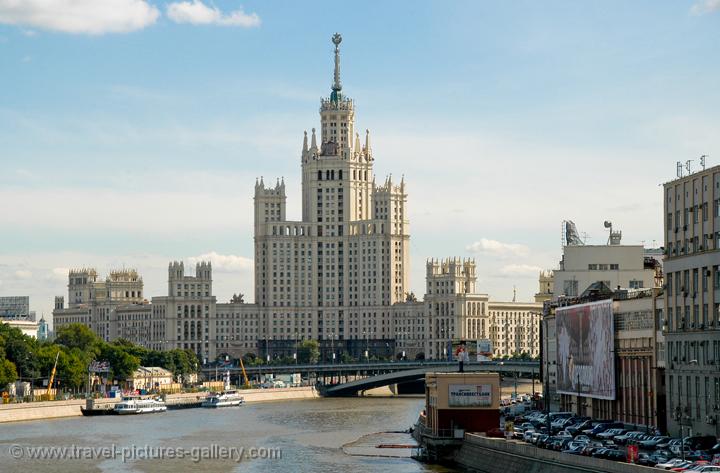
603, 427
527, 435
542, 441
615, 454
582, 438
666, 444
623, 439
610, 433
599, 452
579, 427
696, 466
573, 450
645, 459
673, 463
651, 443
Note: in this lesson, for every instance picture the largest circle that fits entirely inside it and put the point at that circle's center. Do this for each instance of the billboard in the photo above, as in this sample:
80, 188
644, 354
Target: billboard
585, 350
470, 395
484, 349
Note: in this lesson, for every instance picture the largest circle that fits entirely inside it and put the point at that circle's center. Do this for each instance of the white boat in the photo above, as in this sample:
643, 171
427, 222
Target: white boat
139, 406
223, 399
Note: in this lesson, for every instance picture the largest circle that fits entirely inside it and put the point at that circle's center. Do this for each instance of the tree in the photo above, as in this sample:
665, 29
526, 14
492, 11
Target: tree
72, 369
309, 352
122, 363
8, 374
184, 363
78, 336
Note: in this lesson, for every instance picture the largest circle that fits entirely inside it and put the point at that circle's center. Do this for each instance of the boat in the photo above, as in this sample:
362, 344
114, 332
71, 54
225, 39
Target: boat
133, 405
98, 411
223, 399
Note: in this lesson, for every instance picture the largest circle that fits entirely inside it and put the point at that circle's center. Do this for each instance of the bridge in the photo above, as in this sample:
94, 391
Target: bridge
351, 388
363, 376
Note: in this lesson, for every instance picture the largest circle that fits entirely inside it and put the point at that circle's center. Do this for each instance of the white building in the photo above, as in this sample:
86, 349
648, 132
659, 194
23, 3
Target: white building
335, 274
616, 265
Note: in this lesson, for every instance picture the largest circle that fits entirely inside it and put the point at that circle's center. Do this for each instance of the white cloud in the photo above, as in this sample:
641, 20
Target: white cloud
224, 263
197, 13
520, 270
499, 248
58, 274
79, 16
705, 6
23, 274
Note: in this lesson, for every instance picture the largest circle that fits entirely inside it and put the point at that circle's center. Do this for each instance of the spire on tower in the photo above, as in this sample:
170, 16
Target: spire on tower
305, 144
337, 85
367, 143
313, 143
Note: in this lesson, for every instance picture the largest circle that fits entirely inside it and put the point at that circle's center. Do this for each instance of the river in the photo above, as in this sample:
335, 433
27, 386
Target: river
319, 435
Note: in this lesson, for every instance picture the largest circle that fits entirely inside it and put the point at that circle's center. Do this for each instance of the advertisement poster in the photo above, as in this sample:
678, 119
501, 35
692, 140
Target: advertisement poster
585, 350
484, 349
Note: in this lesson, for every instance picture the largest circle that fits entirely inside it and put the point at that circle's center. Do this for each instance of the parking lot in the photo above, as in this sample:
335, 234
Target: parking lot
607, 439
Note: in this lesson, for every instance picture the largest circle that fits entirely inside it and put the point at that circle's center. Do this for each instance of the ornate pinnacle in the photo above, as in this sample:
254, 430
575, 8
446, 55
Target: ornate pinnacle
337, 39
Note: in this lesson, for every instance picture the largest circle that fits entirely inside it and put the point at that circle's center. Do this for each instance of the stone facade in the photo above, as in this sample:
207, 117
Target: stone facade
692, 301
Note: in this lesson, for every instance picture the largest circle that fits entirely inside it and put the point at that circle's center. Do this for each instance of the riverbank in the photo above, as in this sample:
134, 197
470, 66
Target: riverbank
57, 409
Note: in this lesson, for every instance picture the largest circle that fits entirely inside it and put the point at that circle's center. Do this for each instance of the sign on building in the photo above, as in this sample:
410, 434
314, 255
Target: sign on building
470, 395
585, 340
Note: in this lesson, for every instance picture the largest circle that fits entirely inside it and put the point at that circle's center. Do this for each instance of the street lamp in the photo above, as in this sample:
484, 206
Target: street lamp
367, 351
295, 355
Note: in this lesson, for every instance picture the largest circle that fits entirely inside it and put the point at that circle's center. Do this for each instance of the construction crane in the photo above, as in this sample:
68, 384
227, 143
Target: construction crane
247, 381
52, 374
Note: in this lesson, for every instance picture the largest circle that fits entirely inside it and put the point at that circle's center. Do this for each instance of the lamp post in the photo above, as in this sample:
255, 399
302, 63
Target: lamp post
332, 346
295, 355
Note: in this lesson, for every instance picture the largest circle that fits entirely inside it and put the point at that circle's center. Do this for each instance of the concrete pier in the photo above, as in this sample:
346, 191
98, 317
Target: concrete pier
58, 409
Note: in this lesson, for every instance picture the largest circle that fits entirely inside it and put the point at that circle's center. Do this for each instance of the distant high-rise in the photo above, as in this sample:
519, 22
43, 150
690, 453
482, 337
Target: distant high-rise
335, 273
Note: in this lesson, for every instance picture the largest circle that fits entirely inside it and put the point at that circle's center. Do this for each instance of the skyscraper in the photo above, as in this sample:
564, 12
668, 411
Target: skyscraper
335, 273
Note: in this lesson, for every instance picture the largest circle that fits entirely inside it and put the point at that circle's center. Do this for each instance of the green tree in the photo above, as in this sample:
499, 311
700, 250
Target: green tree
78, 336
8, 374
122, 364
72, 368
309, 352
184, 363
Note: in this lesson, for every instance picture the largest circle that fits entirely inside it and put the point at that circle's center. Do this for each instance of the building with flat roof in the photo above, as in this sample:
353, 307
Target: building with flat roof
14, 306
461, 401
692, 301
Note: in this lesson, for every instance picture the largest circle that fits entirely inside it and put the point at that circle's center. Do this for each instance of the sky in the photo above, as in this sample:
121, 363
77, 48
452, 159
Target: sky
132, 131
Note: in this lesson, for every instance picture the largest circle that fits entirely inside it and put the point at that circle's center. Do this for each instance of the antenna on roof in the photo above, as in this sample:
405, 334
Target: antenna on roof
679, 169
702, 160
687, 165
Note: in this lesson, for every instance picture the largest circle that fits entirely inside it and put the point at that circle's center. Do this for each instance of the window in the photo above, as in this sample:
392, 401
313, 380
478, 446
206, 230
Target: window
592, 267
570, 288
614, 267
603, 267
636, 284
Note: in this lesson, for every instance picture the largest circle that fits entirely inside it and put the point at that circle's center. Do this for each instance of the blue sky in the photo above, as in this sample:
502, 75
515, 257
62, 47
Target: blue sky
131, 131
